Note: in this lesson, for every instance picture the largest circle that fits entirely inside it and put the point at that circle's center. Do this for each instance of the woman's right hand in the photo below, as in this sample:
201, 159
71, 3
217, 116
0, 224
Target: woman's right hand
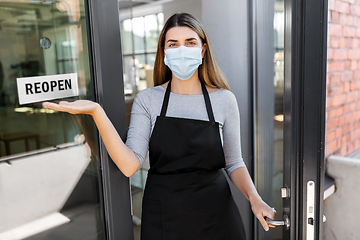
76, 107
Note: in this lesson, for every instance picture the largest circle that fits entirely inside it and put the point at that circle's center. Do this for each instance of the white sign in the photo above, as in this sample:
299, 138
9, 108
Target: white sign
42, 88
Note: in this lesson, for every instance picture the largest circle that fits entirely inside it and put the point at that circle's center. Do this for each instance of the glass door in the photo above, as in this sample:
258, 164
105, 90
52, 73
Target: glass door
289, 113
268, 109
50, 181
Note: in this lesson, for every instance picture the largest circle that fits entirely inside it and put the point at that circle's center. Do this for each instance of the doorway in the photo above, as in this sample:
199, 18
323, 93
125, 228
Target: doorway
263, 60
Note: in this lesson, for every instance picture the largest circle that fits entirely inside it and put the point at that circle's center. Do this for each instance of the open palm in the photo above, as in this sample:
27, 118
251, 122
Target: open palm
76, 107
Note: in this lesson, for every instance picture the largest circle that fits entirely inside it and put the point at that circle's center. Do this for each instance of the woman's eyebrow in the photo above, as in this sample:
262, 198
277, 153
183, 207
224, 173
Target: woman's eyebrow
188, 39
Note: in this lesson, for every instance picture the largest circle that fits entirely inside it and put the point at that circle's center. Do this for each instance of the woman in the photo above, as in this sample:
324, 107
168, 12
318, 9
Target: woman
186, 194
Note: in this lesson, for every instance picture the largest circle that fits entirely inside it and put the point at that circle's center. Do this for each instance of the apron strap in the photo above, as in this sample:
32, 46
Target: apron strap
206, 97
166, 100
207, 103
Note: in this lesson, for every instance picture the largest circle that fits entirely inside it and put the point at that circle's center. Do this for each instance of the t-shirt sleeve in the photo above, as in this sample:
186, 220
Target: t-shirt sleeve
231, 136
139, 131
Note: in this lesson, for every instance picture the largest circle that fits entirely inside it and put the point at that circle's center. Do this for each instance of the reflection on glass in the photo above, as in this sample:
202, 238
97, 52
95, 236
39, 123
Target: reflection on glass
278, 114
48, 160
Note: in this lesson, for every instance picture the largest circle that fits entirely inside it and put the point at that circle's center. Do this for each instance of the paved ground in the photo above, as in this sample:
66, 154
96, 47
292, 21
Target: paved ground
85, 224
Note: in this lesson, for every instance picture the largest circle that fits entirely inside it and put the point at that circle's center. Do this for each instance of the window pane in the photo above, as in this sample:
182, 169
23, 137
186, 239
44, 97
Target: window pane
161, 21
126, 36
139, 34
152, 33
151, 59
140, 59
129, 75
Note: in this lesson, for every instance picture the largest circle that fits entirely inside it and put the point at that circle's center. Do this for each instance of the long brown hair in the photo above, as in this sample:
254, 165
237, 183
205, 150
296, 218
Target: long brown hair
209, 71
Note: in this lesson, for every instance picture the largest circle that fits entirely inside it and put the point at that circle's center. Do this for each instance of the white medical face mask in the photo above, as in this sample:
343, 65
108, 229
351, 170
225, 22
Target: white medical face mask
183, 61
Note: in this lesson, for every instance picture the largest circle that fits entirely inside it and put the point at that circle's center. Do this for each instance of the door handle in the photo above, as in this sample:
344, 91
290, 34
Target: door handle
275, 223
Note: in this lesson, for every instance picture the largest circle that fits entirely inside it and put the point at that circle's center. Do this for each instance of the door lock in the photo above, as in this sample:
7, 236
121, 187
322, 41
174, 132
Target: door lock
285, 192
275, 223
310, 210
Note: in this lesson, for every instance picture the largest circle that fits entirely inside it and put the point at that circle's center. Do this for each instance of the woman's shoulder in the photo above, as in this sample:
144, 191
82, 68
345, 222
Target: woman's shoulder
224, 95
151, 92
148, 99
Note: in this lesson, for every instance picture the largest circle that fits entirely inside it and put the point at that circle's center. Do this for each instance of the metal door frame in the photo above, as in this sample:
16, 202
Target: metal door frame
304, 106
107, 73
304, 110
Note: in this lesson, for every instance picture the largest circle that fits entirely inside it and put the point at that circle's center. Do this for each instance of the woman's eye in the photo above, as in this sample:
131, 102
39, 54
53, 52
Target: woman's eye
172, 45
191, 43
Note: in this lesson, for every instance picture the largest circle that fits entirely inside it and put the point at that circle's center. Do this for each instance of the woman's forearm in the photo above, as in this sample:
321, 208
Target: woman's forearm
122, 155
242, 180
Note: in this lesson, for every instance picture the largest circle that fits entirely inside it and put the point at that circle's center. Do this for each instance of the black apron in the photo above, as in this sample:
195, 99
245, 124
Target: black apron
187, 196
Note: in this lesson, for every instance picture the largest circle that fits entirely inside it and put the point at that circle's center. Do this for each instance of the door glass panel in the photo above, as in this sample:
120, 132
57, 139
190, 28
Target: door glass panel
269, 115
49, 165
278, 112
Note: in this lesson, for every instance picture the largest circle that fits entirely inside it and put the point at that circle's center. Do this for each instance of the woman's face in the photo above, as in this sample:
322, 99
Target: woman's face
183, 36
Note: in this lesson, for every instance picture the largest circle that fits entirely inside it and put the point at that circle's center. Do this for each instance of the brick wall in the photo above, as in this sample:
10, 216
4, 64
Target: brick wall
343, 78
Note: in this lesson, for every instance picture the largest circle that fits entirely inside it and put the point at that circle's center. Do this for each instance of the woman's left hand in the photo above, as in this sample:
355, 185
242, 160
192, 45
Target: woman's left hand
262, 210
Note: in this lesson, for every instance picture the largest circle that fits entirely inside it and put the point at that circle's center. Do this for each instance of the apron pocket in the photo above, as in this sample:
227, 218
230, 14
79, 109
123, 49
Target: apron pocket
151, 220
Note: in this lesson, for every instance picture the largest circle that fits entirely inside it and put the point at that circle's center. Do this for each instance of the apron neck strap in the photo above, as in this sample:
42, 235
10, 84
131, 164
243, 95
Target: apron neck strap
166, 100
206, 97
207, 103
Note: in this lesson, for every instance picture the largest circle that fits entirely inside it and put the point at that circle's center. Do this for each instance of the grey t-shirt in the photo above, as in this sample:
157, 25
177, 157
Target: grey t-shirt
147, 106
